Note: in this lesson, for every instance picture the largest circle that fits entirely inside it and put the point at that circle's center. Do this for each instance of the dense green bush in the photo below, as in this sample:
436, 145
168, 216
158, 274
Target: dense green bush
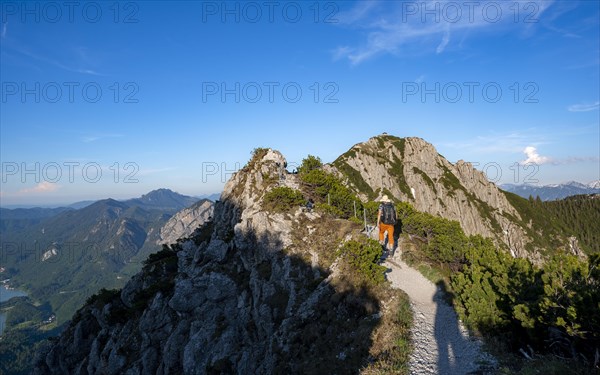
283, 199
569, 309
477, 287
371, 209
362, 256
329, 210
310, 163
324, 187
445, 238
554, 308
404, 210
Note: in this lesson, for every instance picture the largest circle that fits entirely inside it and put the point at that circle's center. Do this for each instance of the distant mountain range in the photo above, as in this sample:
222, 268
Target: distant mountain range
211, 197
63, 255
156, 199
553, 192
20, 218
163, 199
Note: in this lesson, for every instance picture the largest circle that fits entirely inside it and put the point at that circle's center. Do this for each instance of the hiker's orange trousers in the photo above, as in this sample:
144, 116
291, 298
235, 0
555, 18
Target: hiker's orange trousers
390, 230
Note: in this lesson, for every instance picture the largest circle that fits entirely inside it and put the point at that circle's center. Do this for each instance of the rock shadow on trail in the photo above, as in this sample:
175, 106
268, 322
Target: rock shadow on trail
446, 331
457, 354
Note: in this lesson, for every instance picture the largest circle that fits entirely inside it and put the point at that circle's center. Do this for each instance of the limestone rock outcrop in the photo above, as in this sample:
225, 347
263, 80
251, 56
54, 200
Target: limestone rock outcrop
184, 222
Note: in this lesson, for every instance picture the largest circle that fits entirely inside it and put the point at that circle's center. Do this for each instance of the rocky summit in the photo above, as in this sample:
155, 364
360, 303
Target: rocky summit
411, 170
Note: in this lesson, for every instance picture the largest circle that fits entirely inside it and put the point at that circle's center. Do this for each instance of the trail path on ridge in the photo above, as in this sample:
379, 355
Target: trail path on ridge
441, 344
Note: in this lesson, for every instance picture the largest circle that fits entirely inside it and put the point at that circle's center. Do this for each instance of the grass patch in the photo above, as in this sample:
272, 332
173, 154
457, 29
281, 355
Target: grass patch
432, 274
355, 178
514, 364
397, 170
425, 178
392, 344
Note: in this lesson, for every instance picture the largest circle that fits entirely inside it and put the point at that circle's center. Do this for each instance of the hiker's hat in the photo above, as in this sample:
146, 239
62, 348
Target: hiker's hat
385, 199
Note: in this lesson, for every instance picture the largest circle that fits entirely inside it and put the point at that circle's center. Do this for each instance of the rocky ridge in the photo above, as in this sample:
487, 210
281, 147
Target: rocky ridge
249, 292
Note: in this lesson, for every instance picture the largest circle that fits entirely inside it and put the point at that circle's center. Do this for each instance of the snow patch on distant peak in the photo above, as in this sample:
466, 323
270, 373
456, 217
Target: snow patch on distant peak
49, 254
594, 184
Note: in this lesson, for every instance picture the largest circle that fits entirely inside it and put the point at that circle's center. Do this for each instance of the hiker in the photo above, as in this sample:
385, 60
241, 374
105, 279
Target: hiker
280, 170
386, 219
310, 204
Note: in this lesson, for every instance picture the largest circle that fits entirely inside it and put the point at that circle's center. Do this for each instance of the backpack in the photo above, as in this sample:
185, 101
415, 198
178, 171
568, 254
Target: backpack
388, 214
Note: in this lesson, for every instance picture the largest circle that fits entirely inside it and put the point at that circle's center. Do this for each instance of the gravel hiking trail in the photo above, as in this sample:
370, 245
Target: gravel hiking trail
441, 344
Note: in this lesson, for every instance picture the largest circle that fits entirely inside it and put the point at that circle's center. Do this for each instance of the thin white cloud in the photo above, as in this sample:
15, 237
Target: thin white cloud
64, 66
395, 27
533, 157
60, 65
584, 107
42, 187
4, 30
579, 159
341, 52
445, 40
357, 13
97, 137
89, 139
504, 143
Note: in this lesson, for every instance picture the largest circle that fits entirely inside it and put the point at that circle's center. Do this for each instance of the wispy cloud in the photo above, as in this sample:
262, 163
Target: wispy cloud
60, 64
42, 187
40, 58
579, 159
97, 137
445, 40
583, 107
506, 143
4, 30
394, 27
360, 11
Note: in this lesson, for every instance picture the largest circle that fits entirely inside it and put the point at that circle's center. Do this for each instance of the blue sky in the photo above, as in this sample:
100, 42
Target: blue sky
114, 99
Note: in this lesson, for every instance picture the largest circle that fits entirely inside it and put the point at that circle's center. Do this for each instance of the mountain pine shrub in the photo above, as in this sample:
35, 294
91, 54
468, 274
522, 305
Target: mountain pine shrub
362, 256
283, 199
